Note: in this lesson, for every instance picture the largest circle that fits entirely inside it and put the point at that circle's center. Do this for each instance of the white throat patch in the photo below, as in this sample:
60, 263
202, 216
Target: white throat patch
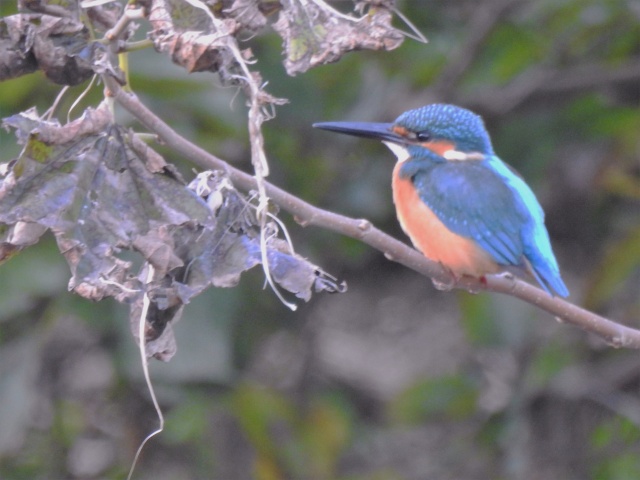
399, 151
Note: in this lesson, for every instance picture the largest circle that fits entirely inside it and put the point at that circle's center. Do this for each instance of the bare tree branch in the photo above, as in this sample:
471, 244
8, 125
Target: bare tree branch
613, 333
545, 82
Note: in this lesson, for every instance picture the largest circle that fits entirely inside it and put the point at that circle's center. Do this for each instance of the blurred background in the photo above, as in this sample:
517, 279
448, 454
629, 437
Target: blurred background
393, 379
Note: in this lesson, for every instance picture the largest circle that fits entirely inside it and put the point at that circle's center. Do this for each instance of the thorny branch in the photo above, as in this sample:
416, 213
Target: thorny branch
306, 214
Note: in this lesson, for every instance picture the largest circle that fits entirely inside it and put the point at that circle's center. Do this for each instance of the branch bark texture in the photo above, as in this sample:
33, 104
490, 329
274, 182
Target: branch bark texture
306, 214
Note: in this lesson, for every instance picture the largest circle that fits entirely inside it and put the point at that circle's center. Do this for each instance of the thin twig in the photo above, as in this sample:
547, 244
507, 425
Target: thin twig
146, 302
129, 15
135, 46
545, 83
306, 214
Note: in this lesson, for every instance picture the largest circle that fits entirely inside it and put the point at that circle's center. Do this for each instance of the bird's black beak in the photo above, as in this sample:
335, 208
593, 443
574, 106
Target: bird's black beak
377, 131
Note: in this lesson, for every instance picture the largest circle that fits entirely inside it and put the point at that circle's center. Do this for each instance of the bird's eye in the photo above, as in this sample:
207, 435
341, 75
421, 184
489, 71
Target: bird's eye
423, 136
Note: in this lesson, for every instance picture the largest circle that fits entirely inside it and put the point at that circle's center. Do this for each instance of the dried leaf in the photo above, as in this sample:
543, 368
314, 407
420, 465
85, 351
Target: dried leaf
59, 46
102, 191
157, 247
315, 34
15, 237
57, 8
248, 13
217, 253
189, 37
233, 245
85, 183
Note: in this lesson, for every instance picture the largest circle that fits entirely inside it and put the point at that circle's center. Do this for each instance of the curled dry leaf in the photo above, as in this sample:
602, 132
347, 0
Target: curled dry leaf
101, 191
248, 13
59, 46
189, 36
315, 34
85, 183
215, 253
103, 15
56, 8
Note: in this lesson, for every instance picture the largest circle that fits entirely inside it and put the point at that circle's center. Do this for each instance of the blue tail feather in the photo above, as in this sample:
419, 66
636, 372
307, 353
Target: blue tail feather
547, 274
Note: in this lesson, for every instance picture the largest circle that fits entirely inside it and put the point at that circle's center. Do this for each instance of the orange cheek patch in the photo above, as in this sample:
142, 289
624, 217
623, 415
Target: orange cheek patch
439, 147
403, 132
429, 235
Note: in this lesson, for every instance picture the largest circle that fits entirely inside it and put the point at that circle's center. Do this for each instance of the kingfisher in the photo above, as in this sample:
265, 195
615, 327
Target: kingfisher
458, 202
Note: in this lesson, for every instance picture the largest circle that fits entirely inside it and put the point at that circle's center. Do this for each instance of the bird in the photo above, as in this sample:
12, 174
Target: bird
458, 202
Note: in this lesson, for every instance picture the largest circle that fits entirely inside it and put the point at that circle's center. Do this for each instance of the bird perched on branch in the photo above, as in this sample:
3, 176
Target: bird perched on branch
459, 203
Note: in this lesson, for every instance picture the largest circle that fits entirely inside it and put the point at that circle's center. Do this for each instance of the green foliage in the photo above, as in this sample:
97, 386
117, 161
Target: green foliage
549, 360
452, 396
289, 442
21, 286
613, 431
512, 50
185, 422
479, 320
620, 467
615, 442
597, 119
620, 262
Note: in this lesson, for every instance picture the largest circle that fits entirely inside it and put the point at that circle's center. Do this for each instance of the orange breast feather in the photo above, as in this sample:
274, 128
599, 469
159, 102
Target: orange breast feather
429, 235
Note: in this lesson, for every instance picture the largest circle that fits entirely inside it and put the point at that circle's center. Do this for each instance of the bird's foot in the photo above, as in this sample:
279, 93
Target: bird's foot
509, 276
472, 285
506, 274
447, 285
484, 280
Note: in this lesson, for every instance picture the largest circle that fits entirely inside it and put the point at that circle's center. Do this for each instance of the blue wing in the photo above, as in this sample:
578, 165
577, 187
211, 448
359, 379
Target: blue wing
537, 246
476, 200
472, 201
